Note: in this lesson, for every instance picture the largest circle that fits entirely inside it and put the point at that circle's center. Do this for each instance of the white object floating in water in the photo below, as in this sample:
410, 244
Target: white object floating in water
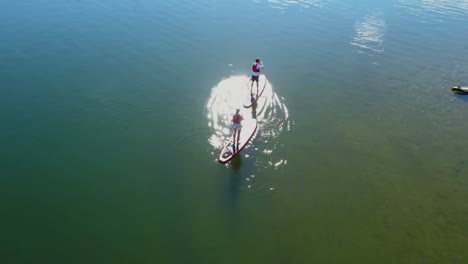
267, 151
271, 189
278, 163
230, 65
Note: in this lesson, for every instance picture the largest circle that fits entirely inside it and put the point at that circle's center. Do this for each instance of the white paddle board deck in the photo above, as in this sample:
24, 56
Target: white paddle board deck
230, 150
261, 87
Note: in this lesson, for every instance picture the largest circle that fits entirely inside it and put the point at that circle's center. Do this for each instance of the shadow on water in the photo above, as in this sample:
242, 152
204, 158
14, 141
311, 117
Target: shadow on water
234, 186
236, 163
254, 111
461, 97
235, 178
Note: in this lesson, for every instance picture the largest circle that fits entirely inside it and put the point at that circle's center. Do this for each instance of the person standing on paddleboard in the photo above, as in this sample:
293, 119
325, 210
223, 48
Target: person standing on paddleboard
236, 124
256, 66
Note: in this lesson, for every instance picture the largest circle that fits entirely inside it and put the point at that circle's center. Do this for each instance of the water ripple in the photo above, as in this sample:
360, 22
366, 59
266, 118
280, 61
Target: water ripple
425, 9
285, 4
369, 34
271, 113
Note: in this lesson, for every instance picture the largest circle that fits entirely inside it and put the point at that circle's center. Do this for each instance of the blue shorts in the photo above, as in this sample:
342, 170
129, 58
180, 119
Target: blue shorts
236, 126
254, 78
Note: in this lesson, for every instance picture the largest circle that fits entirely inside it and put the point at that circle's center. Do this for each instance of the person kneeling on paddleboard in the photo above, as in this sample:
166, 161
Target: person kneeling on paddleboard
256, 66
236, 124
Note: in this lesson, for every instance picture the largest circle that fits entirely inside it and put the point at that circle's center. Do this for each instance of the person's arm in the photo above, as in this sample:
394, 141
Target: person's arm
261, 64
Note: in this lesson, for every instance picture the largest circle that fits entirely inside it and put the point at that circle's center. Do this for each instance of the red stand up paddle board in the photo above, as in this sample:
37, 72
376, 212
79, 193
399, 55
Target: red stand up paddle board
230, 150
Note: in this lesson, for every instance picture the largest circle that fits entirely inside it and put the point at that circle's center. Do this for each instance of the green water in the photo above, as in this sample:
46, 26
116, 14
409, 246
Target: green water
111, 115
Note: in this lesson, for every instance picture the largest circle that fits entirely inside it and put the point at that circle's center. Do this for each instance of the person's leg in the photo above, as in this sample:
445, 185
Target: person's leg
234, 136
257, 85
238, 135
251, 84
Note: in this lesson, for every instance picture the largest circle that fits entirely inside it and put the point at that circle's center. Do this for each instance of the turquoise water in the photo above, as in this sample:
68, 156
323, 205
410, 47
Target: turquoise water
112, 113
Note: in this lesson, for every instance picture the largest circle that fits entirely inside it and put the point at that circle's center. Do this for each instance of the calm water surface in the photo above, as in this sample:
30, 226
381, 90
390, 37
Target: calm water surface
112, 114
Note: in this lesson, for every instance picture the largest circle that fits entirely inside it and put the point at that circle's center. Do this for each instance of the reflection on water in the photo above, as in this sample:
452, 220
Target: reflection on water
369, 34
225, 98
428, 8
270, 111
